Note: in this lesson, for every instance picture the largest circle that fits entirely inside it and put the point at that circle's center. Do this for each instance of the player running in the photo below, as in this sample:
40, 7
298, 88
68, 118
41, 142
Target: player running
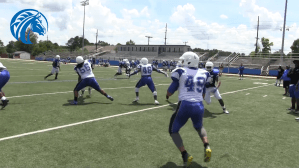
164, 64
211, 87
190, 81
146, 71
241, 71
4, 78
87, 78
124, 64
56, 67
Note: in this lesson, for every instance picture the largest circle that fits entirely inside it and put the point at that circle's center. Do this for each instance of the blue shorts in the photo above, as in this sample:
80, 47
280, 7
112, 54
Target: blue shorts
4, 77
146, 80
87, 82
293, 92
184, 111
241, 72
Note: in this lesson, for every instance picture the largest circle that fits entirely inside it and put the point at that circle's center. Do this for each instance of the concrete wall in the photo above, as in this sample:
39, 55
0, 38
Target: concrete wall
25, 55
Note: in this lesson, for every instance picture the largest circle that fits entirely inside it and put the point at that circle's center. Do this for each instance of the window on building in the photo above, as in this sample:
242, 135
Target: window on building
132, 49
179, 49
121, 48
140, 49
128, 48
153, 49
173, 49
136, 48
143, 48
169, 49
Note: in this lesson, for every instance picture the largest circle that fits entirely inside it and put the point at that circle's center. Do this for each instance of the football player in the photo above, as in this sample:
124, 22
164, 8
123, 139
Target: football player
68, 59
87, 78
190, 81
171, 65
286, 81
55, 68
279, 75
4, 78
164, 64
241, 71
293, 88
211, 86
93, 62
146, 71
120, 66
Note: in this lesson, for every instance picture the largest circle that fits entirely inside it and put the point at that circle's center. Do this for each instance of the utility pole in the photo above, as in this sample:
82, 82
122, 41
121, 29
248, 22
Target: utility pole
257, 36
84, 3
47, 43
148, 38
284, 25
185, 42
97, 41
165, 33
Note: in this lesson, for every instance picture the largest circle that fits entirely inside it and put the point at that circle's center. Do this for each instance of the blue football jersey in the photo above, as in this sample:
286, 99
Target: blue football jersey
56, 63
213, 75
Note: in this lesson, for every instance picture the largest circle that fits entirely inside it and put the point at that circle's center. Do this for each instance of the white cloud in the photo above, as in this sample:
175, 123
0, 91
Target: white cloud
223, 17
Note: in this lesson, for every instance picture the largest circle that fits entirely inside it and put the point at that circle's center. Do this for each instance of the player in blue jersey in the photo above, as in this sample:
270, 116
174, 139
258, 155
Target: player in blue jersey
55, 68
123, 64
164, 64
157, 64
68, 59
211, 86
286, 80
146, 71
171, 65
93, 62
241, 71
87, 78
190, 81
4, 78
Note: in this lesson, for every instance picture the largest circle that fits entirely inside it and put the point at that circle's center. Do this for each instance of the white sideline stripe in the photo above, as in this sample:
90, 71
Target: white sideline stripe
102, 118
72, 91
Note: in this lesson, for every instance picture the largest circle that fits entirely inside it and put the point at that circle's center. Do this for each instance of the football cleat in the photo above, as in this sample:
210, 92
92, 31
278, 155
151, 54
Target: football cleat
136, 100
110, 98
156, 102
187, 160
208, 154
296, 111
4, 103
225, 111
297, 119
74, 102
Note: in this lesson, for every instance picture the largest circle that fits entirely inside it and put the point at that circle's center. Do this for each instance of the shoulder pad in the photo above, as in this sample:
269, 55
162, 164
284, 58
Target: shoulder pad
216, 71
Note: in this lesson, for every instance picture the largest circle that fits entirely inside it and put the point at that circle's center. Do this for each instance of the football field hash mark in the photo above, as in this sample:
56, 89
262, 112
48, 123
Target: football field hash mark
247, 94
265, 96
102, 118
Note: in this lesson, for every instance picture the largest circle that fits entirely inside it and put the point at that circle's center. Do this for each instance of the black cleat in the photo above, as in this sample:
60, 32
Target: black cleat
110, 98
4, 103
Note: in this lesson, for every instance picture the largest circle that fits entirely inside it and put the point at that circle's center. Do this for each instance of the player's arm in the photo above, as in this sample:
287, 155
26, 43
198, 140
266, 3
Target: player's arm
218, 81
175, 76
135, 72
157, 70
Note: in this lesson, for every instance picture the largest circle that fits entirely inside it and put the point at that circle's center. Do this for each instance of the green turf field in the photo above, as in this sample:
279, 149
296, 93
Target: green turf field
258, 132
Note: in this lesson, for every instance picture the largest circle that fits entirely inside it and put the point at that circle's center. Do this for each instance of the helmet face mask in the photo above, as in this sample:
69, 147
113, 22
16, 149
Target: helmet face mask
209, 66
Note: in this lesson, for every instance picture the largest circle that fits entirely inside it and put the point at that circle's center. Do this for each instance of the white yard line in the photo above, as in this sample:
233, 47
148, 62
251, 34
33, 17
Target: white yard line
103, 118
247, 94
284, 98
265, 96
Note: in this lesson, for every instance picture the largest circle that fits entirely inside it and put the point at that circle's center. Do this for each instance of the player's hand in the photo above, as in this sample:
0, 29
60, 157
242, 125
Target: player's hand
166, 74
167, 97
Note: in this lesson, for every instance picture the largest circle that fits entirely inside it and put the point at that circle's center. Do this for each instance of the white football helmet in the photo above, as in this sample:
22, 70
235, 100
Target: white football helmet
79, 59
57, 57
179, 63
209, 66
132, 61
2, 66
125, 60
163, 60
189, 59
144, 61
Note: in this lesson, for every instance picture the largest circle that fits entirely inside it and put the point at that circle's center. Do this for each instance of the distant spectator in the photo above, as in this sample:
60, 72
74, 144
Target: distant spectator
279, 75
220, 69
241, 71
286, 80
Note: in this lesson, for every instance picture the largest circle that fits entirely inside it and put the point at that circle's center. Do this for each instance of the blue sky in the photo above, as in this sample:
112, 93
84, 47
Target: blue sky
226, 25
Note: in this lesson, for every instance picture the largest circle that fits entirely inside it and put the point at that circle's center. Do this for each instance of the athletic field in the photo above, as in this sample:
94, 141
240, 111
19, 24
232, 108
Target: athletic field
39, 128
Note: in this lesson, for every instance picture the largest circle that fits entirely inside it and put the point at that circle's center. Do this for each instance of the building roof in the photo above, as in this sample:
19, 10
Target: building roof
156, 45
19, 52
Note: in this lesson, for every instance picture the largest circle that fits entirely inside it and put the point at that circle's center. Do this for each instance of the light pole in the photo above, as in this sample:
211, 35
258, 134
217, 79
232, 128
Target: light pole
148, 39
284, 24
84, 3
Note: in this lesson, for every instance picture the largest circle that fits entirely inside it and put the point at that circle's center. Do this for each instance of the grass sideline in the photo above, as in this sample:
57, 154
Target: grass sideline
258, 132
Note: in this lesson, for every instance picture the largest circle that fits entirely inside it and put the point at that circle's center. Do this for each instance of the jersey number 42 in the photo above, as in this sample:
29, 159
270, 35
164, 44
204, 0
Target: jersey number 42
198, 86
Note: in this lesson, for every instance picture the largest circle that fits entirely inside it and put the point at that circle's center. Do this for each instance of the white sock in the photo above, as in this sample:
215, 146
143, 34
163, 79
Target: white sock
3, 98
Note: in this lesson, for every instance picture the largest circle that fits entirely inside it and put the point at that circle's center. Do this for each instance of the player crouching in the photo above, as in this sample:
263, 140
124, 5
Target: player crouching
124, 64
56, 67
146, 71
211, 87
87, 78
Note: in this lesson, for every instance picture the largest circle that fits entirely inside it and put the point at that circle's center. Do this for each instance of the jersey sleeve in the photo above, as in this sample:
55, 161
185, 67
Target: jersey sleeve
176, 74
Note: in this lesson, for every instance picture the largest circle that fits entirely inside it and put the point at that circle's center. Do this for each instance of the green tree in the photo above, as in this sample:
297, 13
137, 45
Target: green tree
103, 43
118, 44
131, 42
10, 48
20, 46
266, 45
76, 42
2, 48
295, 48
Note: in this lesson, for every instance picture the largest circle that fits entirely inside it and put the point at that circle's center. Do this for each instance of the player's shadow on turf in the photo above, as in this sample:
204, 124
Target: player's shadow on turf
81, 102
173, 165
291, 113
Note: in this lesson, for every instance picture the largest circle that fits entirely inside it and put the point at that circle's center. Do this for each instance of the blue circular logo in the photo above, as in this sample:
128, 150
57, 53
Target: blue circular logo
28, 18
